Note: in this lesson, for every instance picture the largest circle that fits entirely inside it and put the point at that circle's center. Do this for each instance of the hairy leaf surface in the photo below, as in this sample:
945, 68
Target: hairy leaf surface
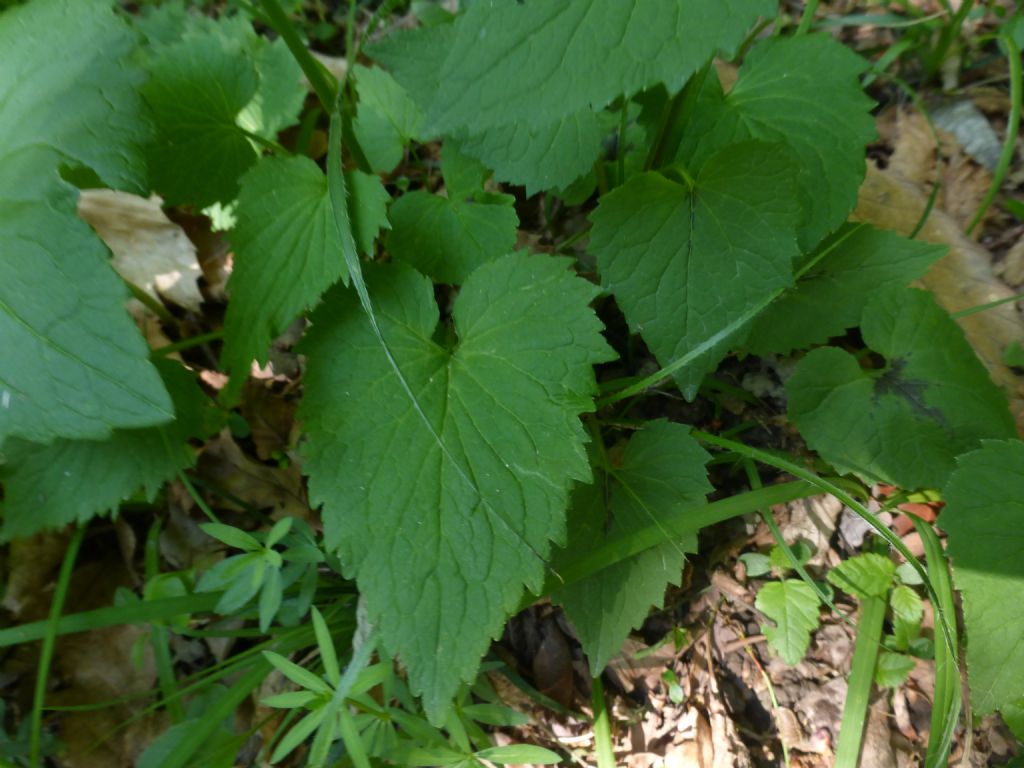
779, 97
793, 606
661, 472
71, 361
49, 486
287, 250
984, 517
535, 62
443, 508
830, 296
903, 425
688, 265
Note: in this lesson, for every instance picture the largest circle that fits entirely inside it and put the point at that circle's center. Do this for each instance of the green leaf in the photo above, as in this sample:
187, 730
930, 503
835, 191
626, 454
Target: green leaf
778, 98
287, 251
905, 424
549, 156
661, 472
414, 57
298, 675
290, 700
271, 594
1013, 716
906, 604
387, 120
197, 89
892, 669
793, 606
984, 518
448, 237
867, 575
328, 656
443, 507
830, 296
519, 754
298, 734
49, 486
233, 537
535, 62
72, 364
689, 265
280, 92
757, 564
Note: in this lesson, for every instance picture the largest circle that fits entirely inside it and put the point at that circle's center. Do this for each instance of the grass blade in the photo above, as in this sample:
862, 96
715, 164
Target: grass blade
946, 699
49, 640
862, 673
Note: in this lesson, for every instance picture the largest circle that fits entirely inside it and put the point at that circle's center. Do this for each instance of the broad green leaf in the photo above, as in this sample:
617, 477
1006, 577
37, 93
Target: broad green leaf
72, 364
414, 57
443, 507
906, 423
534, 62
906, 604
830, 296
793, 606
197, 89
549, 156
448, 237
49, 486
86, 107
690, 264
287, 251
867, 575
661, 472
778, 98
387, 120
984, 518
892, 669
280, 92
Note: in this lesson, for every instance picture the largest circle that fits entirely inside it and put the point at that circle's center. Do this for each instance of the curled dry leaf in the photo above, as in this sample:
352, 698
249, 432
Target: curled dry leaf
150, 250
962, 279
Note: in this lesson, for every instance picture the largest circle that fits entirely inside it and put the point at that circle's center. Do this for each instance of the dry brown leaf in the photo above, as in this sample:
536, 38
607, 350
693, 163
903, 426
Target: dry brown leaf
224, 464
32, 566
962, 279
150, 250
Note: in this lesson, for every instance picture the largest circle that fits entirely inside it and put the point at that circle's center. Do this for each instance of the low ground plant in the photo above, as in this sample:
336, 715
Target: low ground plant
479, 422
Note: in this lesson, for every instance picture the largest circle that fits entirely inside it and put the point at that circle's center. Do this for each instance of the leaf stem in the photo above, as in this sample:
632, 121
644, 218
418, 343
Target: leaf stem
193, 341
602, 725
1012, 128
807, 18
49, 641
681, 523
324, 84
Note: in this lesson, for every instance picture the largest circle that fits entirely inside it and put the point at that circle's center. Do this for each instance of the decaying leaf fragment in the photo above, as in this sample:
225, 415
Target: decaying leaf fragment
150, 251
